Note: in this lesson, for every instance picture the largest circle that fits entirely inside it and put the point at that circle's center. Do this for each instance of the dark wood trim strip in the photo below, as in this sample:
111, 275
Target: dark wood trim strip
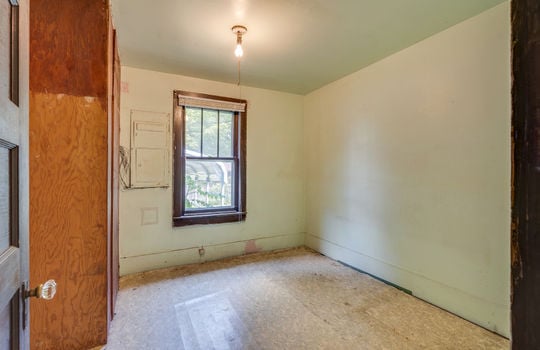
114, 261
14, 196
212, 214
242, 162
218, 127
16, 320
14, 54
211, 97
208, 219
177, 158
210, 158
237, 166
525, 247
216, 210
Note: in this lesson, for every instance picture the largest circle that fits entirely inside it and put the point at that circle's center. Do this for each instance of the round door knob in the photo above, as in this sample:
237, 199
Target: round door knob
48, 290
45, 291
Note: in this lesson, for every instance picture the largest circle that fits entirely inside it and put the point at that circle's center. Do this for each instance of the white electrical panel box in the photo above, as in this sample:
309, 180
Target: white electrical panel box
149, 149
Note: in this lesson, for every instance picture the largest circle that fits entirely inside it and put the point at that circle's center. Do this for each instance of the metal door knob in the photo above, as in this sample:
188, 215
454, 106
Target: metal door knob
45, 291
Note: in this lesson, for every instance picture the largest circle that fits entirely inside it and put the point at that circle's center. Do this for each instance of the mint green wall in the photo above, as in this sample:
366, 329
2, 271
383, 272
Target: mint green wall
275, 179
408, 169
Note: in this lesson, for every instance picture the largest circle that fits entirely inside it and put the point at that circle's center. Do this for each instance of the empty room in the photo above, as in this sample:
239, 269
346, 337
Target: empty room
288, 174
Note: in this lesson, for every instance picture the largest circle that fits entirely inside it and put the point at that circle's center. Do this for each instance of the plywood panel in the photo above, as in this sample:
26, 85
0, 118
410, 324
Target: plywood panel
68, 42
68, 217
69, 205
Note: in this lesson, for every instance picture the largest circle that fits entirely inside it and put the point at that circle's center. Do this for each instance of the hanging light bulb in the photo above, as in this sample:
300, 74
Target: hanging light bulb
239, 31
239, 52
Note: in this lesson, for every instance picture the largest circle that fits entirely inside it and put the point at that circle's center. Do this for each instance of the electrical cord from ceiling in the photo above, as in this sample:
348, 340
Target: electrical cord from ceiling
238, 83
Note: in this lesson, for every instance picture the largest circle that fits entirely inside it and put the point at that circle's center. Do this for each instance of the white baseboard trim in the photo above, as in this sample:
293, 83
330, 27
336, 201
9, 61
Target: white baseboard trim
190, 255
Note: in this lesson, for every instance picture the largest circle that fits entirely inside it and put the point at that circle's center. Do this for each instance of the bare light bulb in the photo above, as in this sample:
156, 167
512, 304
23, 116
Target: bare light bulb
239, 52
239, 31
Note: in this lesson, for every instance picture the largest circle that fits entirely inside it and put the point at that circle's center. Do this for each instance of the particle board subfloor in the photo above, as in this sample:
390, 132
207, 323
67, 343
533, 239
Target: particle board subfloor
291, 299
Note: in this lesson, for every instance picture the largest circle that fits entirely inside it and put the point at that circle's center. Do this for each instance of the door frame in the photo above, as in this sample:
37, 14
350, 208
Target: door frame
525, 232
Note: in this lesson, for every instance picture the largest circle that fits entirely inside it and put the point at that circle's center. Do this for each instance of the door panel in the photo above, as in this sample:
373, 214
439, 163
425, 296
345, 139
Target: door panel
11, 117
4, 199
10, 257
5, 327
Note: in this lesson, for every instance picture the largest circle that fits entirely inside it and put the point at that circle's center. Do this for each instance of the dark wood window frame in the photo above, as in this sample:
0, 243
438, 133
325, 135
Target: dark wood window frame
183, 217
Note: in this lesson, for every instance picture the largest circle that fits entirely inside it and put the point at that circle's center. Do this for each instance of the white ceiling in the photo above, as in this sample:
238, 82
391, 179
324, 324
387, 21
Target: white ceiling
291, 45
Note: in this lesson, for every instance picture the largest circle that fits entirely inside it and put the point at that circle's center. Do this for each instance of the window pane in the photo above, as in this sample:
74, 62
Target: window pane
210, 131
193, 131
209, 184
225, 134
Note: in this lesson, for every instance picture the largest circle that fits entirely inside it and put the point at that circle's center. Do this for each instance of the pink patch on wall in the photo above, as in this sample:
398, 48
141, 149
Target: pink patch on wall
124, 86
251, 247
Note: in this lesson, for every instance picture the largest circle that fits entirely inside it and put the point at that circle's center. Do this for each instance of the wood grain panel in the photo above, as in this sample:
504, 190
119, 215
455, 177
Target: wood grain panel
70, 83
68, 44
68, 220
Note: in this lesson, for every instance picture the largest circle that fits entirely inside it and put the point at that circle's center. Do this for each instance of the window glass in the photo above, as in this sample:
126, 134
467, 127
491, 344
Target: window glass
208, 184
193, 131
210, 132
225, 134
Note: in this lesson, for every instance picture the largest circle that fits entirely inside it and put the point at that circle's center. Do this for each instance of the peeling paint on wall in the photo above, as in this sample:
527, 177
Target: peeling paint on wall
251, 247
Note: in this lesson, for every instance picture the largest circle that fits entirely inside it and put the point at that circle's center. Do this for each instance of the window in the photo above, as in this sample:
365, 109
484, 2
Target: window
209, 159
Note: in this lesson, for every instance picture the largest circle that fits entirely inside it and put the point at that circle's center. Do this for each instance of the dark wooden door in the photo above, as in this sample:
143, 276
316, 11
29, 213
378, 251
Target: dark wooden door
13, 240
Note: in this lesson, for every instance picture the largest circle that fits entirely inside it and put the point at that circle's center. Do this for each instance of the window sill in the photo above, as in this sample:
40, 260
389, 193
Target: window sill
209, 218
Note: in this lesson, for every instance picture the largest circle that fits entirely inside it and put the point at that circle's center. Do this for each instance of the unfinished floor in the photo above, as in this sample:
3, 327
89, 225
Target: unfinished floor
292, 299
